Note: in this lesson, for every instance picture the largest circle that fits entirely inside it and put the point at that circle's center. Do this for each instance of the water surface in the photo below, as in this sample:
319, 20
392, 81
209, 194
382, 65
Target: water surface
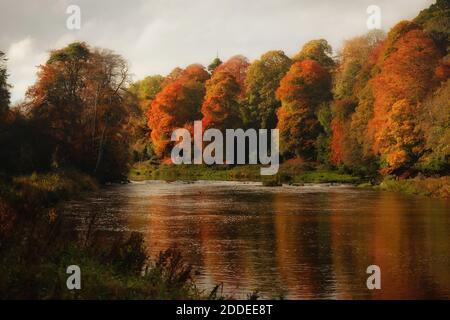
299, 242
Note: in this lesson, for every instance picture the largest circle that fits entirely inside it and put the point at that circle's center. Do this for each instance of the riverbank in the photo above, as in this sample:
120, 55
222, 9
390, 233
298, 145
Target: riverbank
436, 187
290, 172
35, 251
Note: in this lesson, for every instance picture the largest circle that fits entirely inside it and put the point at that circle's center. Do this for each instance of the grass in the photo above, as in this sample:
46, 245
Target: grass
288, 173
35, 250
437, 187
54, 186
102, 274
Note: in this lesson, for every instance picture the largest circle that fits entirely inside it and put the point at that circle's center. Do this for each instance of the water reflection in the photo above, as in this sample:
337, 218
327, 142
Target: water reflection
298, 242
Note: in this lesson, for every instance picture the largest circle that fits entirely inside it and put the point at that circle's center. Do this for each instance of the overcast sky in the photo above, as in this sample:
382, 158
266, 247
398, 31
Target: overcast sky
157, 35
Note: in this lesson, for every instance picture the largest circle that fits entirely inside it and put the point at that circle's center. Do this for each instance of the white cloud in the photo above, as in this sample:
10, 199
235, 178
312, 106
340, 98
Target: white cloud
22, 61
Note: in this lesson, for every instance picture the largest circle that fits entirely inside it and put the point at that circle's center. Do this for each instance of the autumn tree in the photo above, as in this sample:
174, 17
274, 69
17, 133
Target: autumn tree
302, 90
220, 107
352, 105
402, 139
172, 77
147, 88
236, 66
355, 63
435, 20
318, 50
434, 121
143, 92
407, 71
176, 106
77, 102
224, 96
262, 81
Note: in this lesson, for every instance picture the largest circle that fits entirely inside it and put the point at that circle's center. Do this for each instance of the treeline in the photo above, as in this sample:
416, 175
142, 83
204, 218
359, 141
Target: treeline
380, 106
77, 114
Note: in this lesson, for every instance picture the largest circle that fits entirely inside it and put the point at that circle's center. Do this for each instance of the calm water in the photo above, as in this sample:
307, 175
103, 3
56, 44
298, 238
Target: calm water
299, 242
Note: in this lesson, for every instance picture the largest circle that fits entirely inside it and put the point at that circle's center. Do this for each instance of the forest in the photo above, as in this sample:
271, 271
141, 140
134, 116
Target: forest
378, 106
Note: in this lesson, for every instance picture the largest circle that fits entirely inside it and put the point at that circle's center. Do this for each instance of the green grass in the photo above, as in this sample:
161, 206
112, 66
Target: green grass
288, 173
45, 189
102, 275
438, 187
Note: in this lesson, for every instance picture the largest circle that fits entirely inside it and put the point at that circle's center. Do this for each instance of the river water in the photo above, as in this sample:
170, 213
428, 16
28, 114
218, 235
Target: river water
297, 242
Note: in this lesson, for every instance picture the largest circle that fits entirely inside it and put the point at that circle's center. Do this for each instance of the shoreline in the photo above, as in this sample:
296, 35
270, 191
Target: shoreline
294, 174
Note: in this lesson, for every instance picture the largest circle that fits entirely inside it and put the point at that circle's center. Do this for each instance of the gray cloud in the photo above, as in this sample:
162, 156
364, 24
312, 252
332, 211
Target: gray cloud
157, 35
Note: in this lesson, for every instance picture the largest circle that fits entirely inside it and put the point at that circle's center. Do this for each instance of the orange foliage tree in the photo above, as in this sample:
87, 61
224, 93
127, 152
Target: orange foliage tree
237, 67
407, 71
176, 106
79, 103
220, 107
351, 109
305, 86
402, 141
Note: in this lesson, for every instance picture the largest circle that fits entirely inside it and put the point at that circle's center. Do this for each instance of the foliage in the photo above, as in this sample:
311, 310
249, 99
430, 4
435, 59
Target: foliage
263, 78
220, 107
318, 50
236, 66
378, 105
292, 171
438, 187
175, 106
35, 250
77, 104
435, 20
301, 92
435, 124
407, 72
402, 140
214, 64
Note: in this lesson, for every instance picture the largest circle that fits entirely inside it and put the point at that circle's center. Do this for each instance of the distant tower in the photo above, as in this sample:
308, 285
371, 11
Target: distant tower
215, 63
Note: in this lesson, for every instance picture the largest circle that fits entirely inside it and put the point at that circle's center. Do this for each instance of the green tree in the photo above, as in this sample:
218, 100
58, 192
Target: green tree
435, 123
214, 64
262, 81
142, 93
435, 20
318, 50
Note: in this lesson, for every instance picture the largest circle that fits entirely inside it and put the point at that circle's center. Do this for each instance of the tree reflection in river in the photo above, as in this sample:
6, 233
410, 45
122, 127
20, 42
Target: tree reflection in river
299, 242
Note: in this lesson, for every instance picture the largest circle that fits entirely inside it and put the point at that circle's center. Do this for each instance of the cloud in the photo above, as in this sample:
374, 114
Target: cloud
22, 61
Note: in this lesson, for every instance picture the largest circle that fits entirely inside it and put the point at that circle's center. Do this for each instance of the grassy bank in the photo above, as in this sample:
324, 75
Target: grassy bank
35, 250
288, 173
292, 172
438, 187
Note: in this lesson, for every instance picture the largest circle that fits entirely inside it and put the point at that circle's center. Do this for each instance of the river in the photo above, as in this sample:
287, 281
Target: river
296, 242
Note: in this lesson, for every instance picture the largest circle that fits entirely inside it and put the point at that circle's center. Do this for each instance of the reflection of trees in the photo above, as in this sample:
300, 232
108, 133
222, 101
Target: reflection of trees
308, 245
352, 227
237, 243
303, 244
394, 233
408, 247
